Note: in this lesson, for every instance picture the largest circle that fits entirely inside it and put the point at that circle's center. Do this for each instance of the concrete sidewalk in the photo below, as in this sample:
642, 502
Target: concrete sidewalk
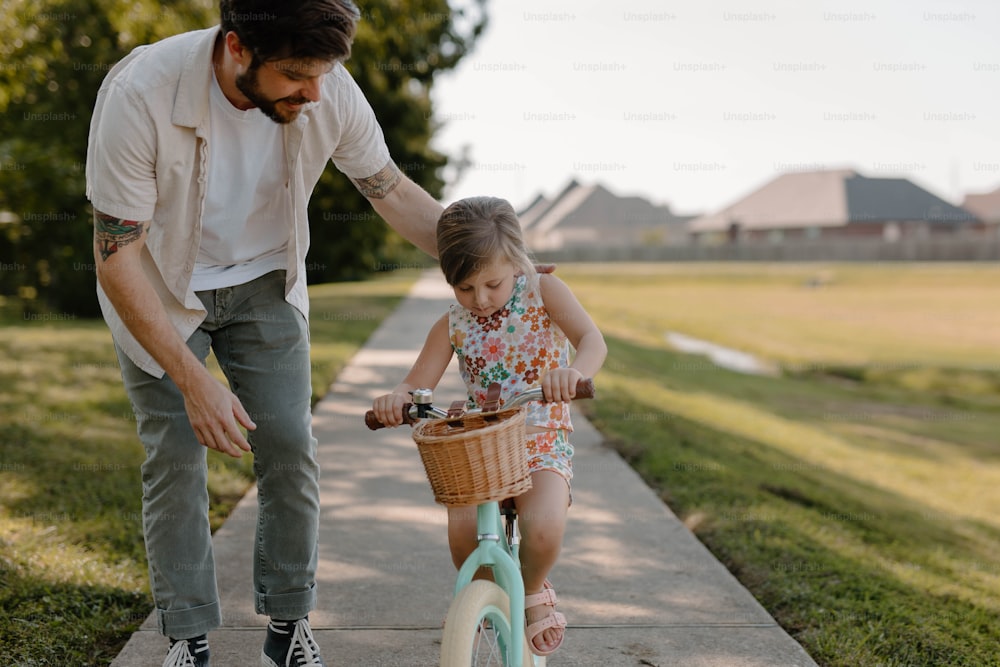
636, 586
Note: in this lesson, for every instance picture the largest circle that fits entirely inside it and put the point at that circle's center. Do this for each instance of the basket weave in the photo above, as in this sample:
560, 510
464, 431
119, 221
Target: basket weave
476, 458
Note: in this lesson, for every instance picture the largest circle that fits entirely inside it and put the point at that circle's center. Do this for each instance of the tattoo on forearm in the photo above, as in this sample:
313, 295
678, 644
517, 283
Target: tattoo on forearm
111, 233
381, 184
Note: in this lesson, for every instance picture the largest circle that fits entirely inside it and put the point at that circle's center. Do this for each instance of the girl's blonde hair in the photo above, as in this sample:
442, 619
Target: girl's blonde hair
476, 232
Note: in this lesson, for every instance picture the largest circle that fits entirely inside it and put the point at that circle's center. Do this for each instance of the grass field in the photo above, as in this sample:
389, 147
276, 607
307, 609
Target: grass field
73, 582
923, 314
857, 495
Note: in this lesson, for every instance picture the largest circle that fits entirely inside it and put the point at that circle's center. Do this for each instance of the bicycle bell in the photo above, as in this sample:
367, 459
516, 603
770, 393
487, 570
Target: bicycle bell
422, 396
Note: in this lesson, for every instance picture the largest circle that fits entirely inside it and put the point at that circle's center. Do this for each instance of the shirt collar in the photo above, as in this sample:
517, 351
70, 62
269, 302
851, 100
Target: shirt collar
192, 102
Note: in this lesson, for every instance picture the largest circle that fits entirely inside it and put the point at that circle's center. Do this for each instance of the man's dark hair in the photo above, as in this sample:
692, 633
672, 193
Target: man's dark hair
280, 29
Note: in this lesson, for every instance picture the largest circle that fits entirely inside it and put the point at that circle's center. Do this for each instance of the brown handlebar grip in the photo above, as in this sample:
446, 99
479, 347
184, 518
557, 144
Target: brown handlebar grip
584, 389
372, 422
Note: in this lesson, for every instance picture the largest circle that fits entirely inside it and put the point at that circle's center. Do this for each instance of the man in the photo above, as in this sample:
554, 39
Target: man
204, 149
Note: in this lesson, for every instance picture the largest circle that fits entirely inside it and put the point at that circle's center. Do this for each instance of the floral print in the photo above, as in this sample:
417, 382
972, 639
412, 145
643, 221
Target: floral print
514, 346
551, 450
494, 349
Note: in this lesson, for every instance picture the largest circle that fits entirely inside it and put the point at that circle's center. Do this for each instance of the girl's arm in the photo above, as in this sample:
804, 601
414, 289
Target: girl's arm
566, 312
426, 372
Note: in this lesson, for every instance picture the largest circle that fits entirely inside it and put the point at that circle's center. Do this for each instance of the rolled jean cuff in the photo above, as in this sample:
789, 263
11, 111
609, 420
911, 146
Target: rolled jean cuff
188, 623
286, 606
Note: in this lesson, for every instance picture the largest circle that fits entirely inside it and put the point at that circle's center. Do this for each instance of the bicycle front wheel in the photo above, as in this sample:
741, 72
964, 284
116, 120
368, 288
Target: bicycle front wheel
477, 632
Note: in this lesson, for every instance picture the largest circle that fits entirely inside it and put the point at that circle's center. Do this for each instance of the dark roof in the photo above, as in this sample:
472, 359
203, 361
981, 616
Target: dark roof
592, 214
832, 198
887, 199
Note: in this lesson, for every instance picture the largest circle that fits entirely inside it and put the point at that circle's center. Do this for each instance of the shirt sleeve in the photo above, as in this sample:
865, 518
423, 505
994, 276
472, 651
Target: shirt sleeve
121, 156
362, 151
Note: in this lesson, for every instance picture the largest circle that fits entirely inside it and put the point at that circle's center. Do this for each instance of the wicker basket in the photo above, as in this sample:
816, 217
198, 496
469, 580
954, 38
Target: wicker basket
476, 458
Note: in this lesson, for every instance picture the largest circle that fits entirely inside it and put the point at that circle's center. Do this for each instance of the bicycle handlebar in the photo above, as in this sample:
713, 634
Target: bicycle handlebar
584, 389
373, 424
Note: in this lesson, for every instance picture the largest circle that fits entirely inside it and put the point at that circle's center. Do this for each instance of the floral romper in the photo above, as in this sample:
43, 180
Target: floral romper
516, 346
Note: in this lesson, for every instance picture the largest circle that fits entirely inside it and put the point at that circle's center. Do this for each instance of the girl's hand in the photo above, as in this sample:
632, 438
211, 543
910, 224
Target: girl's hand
559, 384
389, 408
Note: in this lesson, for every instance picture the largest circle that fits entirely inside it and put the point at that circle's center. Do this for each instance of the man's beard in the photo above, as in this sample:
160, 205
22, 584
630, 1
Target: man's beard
248, 84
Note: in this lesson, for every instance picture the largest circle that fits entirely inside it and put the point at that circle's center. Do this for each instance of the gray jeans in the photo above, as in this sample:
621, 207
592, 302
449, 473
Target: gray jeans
262, 344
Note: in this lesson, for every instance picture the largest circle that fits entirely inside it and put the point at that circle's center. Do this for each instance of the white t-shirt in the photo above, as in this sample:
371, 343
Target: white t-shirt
247, 218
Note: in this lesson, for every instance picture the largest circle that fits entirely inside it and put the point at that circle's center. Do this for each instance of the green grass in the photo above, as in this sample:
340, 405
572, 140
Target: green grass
861, 507
941, 315
73, 581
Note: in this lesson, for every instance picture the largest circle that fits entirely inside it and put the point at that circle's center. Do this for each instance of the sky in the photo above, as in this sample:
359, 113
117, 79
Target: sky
695, 104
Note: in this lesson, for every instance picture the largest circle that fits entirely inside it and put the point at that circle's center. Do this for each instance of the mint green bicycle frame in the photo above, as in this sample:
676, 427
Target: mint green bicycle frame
493, 552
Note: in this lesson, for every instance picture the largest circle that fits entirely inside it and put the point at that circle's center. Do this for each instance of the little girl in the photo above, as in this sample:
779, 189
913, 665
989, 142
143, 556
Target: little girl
514, 326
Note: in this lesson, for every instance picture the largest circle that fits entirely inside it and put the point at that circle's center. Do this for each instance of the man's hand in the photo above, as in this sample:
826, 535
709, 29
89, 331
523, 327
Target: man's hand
216, 415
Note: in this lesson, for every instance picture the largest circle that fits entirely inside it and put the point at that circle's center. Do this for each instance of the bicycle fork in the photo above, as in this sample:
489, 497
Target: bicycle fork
493, 552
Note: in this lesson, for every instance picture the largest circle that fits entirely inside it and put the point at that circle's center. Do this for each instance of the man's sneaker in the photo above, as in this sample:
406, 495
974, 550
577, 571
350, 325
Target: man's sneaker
188, 653
290, 644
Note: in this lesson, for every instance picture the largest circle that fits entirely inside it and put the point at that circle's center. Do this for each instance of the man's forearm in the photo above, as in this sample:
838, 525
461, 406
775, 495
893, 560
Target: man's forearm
414, 214
404, 205
142, 313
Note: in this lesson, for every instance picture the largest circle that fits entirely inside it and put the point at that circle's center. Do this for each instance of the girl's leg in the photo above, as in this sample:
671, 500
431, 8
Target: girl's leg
461, 533
541, 515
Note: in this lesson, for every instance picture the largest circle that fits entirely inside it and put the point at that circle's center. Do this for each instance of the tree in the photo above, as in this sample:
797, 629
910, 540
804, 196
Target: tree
54, 54
400, 47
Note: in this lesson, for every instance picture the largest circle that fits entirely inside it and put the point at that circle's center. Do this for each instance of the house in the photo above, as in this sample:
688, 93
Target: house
838, 203
591, 215
986, 207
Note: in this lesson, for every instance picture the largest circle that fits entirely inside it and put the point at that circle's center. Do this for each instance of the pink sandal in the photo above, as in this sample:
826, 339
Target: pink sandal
553, 620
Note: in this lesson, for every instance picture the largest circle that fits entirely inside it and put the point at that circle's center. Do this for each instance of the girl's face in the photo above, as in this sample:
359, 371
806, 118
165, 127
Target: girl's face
486, 291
